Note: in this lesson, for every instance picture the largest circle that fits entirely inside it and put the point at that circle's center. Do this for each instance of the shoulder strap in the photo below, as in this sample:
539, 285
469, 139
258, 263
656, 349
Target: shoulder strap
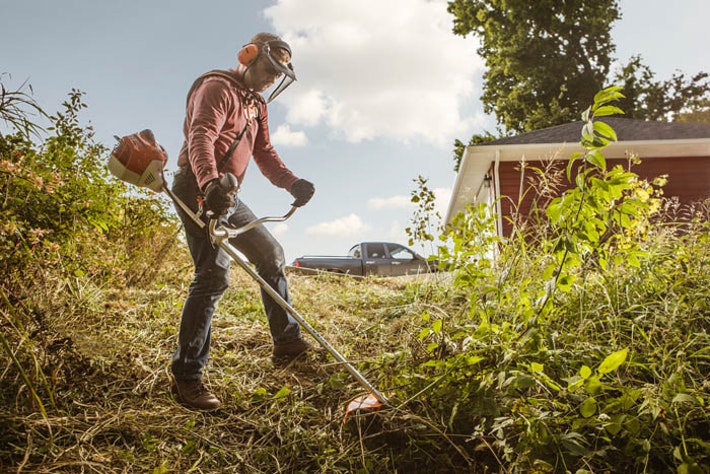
231, 148
214, 73
234, 80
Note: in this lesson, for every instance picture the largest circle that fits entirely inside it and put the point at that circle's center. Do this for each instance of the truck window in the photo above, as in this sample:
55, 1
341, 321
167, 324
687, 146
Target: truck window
354, 252
375, 251
400, 253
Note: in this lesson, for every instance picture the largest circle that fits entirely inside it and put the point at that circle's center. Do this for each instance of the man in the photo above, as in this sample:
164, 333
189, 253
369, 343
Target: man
226, 123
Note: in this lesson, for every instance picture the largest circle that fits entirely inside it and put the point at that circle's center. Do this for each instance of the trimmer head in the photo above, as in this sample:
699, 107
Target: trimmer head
363, 404
139, 159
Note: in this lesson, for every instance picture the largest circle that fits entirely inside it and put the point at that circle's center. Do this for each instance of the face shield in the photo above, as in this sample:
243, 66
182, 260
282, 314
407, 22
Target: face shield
288, 76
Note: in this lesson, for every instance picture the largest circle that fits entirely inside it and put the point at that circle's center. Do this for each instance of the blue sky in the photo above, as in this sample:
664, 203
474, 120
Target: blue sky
383, 89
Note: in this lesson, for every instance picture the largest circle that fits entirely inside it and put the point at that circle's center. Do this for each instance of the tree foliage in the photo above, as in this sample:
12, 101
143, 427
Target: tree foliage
680, 98
543, 58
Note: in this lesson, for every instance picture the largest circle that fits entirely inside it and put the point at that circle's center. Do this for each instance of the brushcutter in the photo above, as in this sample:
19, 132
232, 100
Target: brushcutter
139, 160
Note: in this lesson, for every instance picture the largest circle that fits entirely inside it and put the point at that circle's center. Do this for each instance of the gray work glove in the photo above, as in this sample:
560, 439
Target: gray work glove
303, 191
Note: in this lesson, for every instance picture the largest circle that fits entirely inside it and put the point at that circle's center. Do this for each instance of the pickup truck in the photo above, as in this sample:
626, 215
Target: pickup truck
368, 258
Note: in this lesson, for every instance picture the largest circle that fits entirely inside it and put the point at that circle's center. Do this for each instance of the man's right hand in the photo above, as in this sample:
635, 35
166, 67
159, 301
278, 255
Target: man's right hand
218, 197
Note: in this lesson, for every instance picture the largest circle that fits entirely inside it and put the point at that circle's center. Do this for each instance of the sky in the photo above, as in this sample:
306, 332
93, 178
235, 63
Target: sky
384, 88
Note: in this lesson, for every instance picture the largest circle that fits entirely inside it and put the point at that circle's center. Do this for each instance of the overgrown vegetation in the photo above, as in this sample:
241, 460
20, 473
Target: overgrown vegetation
581, 347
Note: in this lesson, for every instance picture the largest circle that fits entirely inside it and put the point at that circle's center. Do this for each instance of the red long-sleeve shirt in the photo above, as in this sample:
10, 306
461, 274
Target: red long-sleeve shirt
217, 111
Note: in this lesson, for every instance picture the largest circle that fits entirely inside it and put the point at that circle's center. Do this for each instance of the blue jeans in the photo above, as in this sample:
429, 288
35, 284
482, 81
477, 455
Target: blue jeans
212, 279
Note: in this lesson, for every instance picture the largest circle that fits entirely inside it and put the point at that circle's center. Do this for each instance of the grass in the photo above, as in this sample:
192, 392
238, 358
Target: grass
106, 357
475, 385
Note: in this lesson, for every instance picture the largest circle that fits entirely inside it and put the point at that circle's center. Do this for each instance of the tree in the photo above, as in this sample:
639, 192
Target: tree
545, 59
679, 98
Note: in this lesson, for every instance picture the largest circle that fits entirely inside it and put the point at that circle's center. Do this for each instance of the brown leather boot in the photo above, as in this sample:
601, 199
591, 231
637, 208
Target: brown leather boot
194, 394
291, 349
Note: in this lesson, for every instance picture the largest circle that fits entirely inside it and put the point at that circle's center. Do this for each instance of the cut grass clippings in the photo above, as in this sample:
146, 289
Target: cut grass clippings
107, 360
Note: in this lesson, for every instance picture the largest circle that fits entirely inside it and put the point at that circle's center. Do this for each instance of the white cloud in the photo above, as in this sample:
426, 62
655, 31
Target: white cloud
442, 196
285, 136
441, 201
372, 69
279, 229
397, 232
347, 226
394, 202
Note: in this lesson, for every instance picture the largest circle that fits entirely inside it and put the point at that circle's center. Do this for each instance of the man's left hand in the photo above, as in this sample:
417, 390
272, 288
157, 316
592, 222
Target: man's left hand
303, 191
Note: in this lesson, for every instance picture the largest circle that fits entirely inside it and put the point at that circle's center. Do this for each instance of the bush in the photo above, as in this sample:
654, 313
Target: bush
67, 226
585, 350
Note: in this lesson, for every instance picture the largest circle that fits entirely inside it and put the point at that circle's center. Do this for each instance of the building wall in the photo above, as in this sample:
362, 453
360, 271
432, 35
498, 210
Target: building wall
688, 180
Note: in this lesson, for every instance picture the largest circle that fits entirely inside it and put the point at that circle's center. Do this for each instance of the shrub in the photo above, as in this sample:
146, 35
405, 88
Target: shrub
580, 349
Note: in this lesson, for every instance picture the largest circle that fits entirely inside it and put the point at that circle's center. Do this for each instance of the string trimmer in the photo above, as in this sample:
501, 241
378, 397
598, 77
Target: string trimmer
139, 160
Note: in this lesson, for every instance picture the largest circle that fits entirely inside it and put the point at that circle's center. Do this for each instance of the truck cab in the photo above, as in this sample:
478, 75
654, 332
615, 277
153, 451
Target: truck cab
388, 259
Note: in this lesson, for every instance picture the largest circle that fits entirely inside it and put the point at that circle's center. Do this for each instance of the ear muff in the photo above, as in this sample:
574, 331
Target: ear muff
248, 54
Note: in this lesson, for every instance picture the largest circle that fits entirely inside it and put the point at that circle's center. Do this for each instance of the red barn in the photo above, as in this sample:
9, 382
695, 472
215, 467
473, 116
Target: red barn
502, 174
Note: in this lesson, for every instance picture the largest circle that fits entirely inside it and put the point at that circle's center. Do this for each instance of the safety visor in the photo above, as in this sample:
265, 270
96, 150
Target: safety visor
288, 76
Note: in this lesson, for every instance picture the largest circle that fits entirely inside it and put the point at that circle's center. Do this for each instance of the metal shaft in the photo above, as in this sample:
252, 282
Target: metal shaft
232, 252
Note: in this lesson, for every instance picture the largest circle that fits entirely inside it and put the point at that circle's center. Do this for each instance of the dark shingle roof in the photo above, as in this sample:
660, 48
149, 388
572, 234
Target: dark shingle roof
626, 130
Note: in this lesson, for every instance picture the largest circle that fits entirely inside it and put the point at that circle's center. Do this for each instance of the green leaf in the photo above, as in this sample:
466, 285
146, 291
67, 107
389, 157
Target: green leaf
596, 158
283, 393
585, 372
575, 443
588, 407
554, 210
607, 110
613, 427
575, 156
574, 383
436, 326
565, 282
613, 361
522, 381
683, 398
607, 95
588, 132
593, 386
605, 130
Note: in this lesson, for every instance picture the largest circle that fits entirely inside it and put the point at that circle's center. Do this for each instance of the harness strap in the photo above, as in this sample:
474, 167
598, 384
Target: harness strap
234, 80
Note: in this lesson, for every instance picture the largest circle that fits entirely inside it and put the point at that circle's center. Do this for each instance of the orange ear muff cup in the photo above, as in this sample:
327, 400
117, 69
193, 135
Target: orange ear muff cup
248, 54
